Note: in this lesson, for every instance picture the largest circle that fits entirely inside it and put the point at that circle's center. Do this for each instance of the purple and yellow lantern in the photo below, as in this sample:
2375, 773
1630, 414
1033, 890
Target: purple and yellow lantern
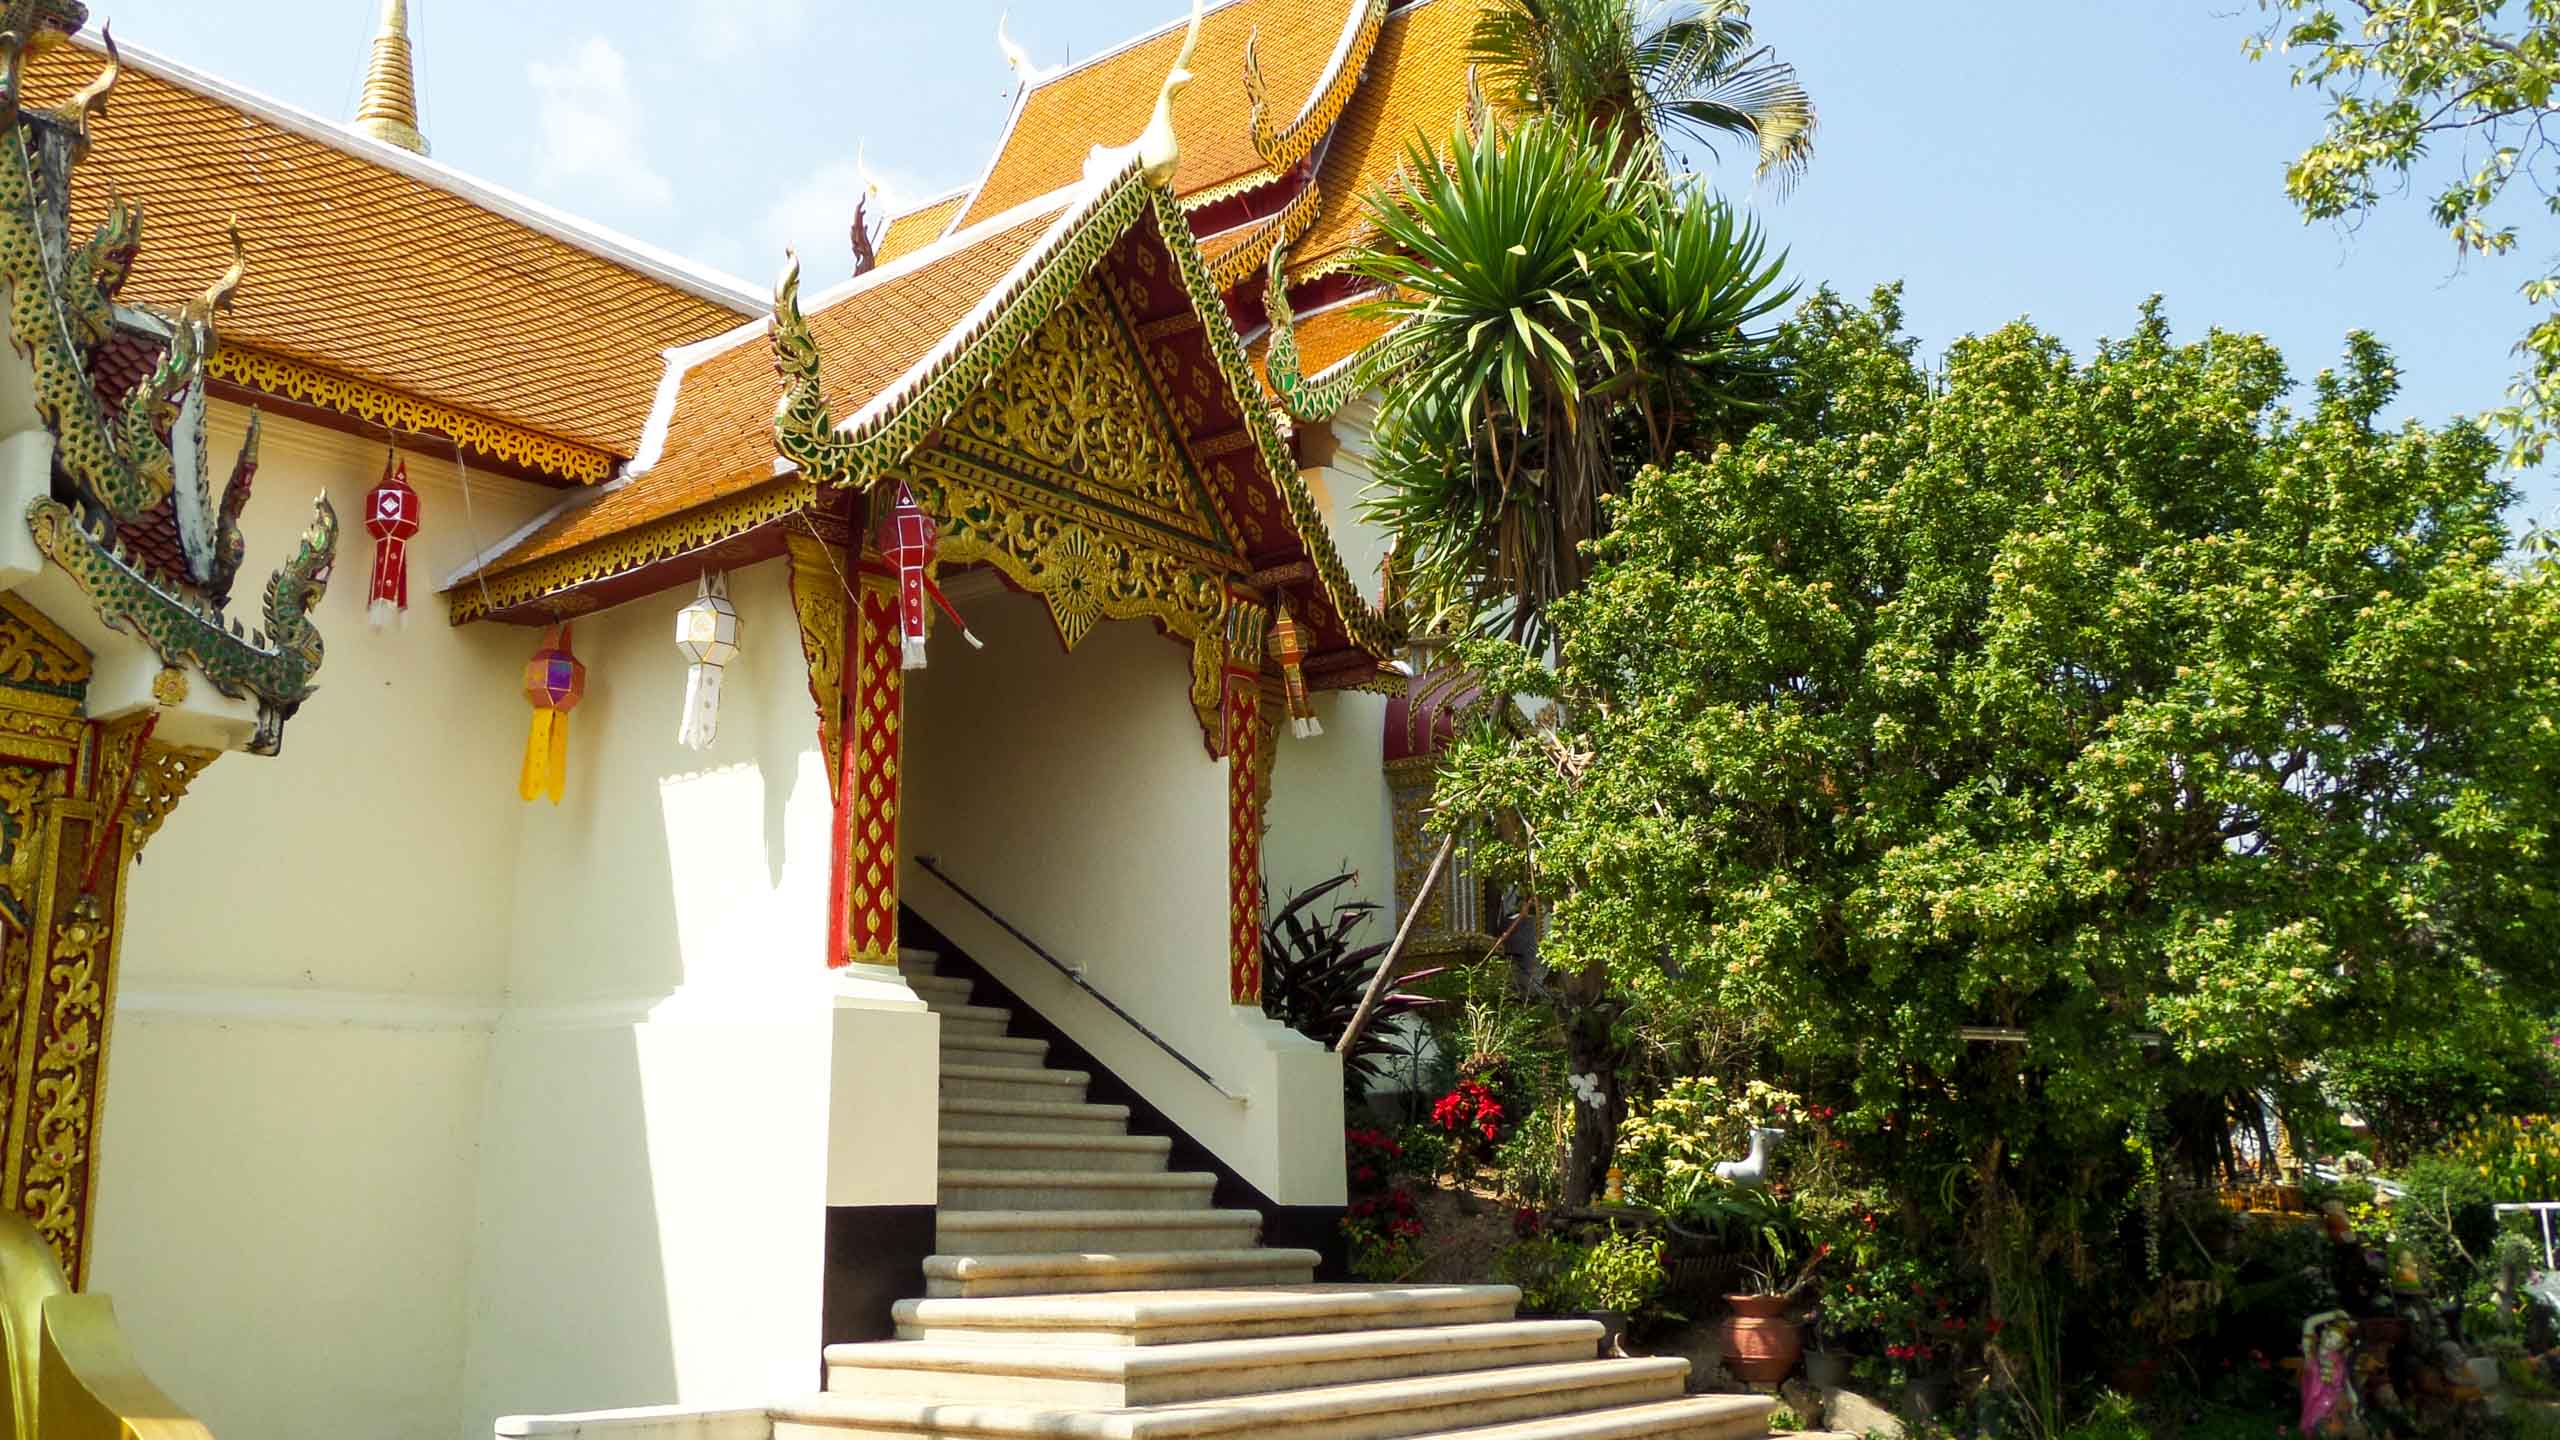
554, 682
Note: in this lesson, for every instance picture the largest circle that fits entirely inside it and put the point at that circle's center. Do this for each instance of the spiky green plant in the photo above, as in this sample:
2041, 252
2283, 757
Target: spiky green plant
1564, 322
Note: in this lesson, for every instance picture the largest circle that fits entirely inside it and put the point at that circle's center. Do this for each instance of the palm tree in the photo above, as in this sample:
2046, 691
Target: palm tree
1652, 71
1563, 322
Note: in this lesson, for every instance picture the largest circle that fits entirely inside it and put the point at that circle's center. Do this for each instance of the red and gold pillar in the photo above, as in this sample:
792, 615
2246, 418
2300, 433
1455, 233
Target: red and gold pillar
869, 784
1247, 623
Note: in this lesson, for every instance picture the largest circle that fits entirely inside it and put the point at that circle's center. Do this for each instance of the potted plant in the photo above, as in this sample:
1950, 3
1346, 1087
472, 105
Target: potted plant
1826, 1364
1762, 1338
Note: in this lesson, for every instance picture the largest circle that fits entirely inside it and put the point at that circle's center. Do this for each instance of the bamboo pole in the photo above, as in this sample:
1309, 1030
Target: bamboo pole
1395, 952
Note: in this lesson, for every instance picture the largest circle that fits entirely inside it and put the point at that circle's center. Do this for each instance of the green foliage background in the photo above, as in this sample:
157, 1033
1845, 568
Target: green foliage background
2114, 702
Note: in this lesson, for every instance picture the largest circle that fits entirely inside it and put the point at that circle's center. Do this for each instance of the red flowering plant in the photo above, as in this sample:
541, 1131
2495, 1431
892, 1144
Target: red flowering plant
1382, 1226
1471, 1115
1903, 1318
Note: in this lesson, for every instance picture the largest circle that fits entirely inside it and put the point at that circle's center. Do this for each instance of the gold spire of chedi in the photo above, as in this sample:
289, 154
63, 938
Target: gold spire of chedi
389, 112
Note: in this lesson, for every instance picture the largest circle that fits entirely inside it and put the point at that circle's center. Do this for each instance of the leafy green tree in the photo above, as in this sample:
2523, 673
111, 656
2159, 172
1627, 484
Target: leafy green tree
1684, 70
1562, 321
2047, 750
2469, 83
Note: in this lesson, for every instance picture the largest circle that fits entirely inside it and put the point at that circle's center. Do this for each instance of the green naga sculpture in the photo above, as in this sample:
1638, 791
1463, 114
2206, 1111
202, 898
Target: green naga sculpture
140, 464
1303, 398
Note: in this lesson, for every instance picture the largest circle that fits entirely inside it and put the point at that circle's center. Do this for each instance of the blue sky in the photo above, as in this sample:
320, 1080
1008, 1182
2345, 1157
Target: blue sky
2059, 159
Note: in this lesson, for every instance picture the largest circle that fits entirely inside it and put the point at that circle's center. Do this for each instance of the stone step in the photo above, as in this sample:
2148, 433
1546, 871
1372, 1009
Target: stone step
1032, 1189
959, 1020
1090, 1232
1039, 1150
984, 1050
1174, 1317
1367, 1410
935, 989
1114, 1379
1007, 1082
1056, 1117
978, 1277
1692, 1417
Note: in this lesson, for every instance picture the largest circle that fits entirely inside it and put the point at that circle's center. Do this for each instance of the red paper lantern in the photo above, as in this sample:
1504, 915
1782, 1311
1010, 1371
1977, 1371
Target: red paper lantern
391, 517
909, 541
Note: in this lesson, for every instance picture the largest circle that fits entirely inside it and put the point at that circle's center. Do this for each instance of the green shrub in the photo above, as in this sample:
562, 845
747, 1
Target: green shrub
1619, 1272
1425, 1153
1622, 1272
2445, 1217
1529, 1164
2114, 1418
1542, 1266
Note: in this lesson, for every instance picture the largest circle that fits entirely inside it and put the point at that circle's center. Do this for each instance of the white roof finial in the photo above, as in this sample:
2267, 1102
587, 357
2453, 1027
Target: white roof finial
1018, 58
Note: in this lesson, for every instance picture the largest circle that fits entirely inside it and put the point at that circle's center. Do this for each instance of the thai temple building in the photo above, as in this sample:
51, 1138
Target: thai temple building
592, 850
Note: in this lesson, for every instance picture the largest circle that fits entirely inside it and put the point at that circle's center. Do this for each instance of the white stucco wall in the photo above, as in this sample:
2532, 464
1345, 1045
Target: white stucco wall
427, 1105
315, 947
1329, 803
1072, 793
659, 1127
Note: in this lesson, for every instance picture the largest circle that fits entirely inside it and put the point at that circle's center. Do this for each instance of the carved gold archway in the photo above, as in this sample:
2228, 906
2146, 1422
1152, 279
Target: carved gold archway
1065, 472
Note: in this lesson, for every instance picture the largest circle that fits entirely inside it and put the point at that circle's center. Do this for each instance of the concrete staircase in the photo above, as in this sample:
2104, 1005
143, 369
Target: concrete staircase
1045, 1193
1086, 1291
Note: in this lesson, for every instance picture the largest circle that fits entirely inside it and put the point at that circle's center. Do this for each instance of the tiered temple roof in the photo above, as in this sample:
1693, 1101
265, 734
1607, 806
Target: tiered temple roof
383, 286
389, 289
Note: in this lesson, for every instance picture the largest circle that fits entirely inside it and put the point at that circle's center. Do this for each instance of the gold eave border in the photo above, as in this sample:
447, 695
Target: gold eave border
265, 373
629, 551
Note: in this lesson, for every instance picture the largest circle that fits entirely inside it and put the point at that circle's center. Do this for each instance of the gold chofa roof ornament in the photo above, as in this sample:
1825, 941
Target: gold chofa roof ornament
389, 111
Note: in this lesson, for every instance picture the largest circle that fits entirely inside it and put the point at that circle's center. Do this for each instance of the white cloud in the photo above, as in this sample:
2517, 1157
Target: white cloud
728, 29
586, 129
816, 217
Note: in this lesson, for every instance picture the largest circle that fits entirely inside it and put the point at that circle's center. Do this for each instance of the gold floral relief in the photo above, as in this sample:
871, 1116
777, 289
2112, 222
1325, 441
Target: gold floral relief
820, 576
1073, 400
152, 788
71, 1046
35, 653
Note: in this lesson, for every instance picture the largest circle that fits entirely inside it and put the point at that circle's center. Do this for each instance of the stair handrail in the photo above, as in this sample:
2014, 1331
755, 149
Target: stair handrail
931, 865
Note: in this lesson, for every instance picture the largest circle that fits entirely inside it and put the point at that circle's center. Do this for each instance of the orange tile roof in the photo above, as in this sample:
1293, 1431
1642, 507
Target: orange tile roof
359, 267
1108, 101
1417, 85
919, 227
720, 433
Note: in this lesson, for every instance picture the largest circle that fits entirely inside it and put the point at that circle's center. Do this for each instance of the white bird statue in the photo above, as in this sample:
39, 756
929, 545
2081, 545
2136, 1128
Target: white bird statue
1752, 1171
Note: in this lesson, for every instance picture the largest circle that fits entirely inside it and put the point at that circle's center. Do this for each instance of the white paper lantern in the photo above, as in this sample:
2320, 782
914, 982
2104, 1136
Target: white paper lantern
707, 633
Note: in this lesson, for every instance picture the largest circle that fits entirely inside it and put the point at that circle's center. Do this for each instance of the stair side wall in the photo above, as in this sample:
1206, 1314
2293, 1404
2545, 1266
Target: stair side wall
679, 1092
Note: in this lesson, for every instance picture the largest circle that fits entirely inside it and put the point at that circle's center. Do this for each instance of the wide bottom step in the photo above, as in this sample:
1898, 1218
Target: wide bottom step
1376, 1410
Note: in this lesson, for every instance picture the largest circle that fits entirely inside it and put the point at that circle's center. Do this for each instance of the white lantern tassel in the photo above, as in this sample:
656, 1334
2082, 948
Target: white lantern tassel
701, 707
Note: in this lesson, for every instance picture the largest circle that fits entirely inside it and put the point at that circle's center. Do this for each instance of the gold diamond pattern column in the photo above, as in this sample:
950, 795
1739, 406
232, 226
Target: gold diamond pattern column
869, 791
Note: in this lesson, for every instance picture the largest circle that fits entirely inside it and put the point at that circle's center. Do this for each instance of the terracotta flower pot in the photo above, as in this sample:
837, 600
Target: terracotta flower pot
1761, 1345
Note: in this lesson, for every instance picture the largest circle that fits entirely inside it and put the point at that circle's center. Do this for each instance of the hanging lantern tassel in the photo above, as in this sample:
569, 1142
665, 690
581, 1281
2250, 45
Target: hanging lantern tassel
1289, 642
554, 682
909, 541
391, 517
707, 633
